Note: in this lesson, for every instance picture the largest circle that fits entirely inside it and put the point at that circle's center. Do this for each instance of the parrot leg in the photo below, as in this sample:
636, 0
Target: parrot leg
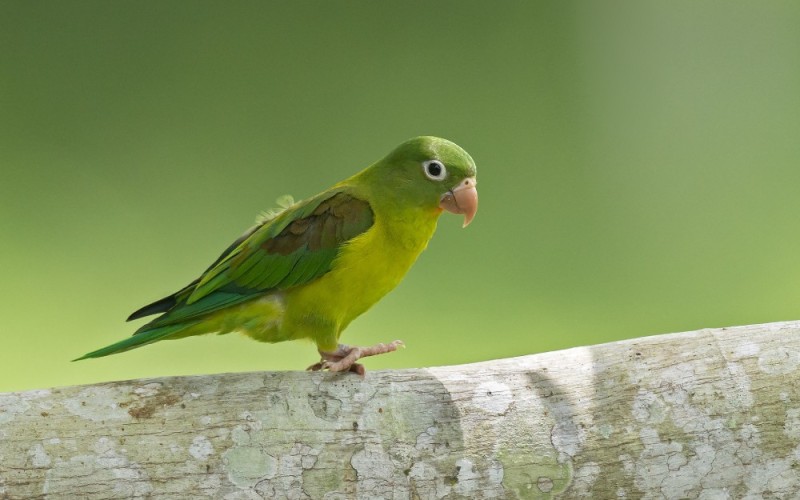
344, 357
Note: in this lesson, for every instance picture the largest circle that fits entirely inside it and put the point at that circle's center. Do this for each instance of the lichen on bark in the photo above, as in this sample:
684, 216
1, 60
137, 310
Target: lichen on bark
698, 414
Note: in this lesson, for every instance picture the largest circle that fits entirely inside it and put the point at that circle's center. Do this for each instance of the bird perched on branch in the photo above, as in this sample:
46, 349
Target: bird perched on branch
307, 271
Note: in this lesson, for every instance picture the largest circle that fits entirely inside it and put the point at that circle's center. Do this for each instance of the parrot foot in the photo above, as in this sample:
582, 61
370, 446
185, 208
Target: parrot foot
344, 357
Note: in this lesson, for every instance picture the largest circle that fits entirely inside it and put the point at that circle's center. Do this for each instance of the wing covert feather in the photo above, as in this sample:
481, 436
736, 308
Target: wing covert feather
295, 247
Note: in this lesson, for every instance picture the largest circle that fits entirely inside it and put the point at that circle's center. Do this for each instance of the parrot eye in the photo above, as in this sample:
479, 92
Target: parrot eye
434, 169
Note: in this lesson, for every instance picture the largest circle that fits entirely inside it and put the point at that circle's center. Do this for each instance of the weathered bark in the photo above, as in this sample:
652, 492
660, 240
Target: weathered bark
708, 414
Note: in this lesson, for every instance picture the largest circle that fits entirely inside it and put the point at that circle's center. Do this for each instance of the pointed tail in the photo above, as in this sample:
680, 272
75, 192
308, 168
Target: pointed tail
138, 340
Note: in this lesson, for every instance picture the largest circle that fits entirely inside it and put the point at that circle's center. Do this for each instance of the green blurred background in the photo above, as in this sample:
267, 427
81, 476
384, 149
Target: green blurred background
638, 167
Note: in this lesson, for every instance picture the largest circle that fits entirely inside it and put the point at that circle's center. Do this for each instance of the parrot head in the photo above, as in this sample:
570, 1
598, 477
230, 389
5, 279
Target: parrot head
431, 173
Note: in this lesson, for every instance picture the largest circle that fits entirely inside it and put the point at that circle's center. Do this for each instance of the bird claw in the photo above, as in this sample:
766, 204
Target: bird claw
317, 366
344, 357
356, 368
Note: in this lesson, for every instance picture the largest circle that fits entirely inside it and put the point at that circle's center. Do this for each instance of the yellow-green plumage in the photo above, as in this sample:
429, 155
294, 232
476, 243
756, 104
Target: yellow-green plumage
311, 269
367, 268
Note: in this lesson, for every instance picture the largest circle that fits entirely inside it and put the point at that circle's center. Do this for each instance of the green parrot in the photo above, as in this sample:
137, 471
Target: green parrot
309, 270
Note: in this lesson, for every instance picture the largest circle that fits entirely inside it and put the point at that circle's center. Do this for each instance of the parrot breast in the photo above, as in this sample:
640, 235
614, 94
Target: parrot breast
368, 267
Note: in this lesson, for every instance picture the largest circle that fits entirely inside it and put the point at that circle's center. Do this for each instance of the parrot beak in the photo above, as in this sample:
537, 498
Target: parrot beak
462, 199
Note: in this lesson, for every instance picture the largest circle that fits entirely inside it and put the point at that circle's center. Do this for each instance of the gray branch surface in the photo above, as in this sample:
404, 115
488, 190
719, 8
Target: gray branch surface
709, 414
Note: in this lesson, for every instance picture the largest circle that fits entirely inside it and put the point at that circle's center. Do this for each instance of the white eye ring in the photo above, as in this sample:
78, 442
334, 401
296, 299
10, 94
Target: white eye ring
434, 170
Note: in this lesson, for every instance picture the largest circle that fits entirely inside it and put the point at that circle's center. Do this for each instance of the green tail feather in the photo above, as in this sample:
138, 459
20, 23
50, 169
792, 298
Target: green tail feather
138, 340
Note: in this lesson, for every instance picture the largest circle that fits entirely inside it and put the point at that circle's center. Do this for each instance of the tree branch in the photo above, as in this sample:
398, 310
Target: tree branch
708, 414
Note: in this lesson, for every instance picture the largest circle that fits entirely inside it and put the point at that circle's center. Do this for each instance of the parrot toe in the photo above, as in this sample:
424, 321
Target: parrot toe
344, 357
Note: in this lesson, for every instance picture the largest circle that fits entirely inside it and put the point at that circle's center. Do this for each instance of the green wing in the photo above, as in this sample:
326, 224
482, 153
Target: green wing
295, 247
